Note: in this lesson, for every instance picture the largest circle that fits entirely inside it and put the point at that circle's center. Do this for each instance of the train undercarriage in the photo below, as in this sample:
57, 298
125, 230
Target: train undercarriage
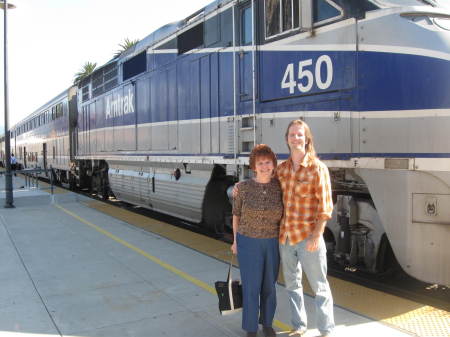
355, 236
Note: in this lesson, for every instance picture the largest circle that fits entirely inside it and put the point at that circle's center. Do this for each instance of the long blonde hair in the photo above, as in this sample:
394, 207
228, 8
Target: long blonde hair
309, 142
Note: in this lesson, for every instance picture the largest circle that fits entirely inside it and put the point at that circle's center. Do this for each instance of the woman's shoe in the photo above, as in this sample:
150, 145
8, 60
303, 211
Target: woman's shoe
269, 331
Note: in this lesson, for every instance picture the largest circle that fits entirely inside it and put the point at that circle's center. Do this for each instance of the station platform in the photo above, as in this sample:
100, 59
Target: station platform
68, 268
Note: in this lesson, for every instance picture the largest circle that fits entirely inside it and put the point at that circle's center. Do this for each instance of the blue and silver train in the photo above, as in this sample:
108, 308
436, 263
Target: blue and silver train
169, 124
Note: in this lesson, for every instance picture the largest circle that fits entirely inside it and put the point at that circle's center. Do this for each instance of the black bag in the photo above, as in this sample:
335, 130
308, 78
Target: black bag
229, 304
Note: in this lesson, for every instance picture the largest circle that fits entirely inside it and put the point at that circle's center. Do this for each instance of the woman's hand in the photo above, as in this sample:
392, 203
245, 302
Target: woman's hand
234, 248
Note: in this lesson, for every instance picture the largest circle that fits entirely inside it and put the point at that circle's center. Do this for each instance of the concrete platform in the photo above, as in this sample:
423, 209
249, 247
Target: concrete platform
70, 270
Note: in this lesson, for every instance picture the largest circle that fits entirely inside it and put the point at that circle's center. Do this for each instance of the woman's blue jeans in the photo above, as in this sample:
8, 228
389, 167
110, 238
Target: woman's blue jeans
259, 262
296, 259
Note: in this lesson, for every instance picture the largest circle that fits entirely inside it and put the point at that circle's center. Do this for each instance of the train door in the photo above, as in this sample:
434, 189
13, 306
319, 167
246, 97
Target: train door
44, 155
72, 116
92, 135
24, 157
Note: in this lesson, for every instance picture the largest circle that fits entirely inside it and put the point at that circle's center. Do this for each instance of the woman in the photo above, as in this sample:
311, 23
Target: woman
257, 211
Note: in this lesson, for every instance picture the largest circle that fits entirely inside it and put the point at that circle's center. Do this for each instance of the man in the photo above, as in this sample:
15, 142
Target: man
308, 204
13, 163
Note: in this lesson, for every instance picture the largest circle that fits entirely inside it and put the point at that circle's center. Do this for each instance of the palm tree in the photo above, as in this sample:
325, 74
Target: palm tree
87, 69
125, 45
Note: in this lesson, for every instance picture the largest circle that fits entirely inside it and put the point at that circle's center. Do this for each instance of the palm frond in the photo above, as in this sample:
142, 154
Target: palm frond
87, 69
125, 45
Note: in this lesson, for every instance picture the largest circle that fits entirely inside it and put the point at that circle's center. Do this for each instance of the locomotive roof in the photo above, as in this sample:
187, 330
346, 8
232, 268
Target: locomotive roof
173, 27
165, 31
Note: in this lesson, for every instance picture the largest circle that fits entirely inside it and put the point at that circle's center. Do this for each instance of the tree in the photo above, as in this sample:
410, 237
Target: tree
125, 45
87, 69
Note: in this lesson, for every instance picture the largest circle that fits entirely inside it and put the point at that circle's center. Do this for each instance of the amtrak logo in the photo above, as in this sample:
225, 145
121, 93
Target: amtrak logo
121, 105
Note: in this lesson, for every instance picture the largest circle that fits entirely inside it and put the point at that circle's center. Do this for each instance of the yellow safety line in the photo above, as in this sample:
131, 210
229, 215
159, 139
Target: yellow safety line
174, 270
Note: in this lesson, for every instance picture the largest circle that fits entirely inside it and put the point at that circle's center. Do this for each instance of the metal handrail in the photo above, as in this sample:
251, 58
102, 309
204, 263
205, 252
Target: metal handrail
32, 176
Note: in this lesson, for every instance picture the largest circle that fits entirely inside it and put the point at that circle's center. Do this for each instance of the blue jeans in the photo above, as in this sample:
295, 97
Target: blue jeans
294, 259
259, 262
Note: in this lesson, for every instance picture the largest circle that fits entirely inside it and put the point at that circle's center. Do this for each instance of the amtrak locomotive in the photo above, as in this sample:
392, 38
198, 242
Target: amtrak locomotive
169, 124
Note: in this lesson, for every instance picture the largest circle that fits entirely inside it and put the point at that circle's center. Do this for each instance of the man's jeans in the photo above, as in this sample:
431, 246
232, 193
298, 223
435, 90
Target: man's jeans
294, 259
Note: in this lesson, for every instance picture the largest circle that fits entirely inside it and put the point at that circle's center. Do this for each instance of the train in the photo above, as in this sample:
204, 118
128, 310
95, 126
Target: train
169, 124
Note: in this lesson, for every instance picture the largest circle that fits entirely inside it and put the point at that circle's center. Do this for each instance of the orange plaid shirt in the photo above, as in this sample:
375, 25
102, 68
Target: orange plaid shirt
306, 198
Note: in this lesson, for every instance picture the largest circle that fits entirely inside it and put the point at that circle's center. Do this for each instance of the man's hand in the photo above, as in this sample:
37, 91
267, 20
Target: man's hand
313, 243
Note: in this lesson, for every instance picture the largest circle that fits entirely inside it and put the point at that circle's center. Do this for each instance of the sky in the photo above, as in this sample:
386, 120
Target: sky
50, 40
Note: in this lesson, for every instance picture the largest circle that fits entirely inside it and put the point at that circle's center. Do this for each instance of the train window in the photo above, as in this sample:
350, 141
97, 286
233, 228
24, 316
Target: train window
296, 13
135, 65
246, 26
286, 9
226, 27
325, 10
212, 31
280, 16
190, 39
272, 15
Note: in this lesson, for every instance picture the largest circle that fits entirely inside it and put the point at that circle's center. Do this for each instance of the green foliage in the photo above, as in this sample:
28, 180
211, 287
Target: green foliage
125, 45
87, 69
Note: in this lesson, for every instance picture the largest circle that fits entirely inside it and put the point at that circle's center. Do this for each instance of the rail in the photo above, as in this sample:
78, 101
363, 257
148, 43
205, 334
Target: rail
32, 176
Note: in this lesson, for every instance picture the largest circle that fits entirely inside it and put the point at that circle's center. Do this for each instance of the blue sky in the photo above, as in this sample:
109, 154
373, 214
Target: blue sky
50, 40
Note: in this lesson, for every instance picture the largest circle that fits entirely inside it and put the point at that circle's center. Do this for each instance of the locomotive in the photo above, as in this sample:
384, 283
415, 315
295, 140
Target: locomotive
169, 124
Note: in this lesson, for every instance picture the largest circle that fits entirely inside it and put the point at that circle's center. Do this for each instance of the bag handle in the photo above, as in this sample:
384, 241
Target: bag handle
229, 282
229, 268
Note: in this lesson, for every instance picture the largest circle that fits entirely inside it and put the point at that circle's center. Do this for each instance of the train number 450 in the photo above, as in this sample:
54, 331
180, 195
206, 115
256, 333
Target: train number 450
306, 77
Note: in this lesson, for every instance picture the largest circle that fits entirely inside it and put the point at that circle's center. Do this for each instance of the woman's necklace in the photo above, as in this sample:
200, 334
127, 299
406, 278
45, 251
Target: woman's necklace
263, 185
